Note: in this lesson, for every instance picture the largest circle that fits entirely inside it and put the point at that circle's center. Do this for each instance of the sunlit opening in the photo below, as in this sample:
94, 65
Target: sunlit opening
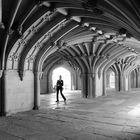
136, 111
112, 79
66, 77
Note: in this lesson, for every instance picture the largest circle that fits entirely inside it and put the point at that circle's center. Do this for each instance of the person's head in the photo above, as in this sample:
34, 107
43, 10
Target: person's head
60, 77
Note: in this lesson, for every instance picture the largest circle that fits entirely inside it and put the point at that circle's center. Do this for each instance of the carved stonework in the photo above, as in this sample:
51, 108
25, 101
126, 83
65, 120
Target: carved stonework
19, 29
2, 25
22, 42
38, 75
14, 57
92, 5
10, 31
47, 17
38, 45
34, 29
21, 74
30, 59
38, 3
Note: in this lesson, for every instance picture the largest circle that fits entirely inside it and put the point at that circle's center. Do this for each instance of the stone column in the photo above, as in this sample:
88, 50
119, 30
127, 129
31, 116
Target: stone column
3, 95
117, 85
1, 72
138, 79
84, 85
91, 85
37, 76
107, 80
129, 82
121, 82
104, 83
77, 81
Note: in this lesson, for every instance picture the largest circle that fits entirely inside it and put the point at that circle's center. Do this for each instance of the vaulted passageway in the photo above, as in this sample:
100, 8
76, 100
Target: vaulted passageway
90, 38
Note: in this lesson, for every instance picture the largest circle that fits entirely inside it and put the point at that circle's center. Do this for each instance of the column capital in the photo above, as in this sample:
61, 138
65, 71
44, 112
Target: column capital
83, 74
38, 74
5, 72
88, 74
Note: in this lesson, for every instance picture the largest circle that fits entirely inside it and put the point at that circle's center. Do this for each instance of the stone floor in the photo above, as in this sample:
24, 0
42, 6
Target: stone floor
113, 117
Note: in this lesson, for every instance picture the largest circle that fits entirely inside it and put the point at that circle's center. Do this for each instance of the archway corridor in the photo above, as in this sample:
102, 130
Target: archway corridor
97, 42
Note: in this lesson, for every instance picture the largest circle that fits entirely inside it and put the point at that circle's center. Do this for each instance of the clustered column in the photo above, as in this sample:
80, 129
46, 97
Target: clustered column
88, 85
3, 95
37, 76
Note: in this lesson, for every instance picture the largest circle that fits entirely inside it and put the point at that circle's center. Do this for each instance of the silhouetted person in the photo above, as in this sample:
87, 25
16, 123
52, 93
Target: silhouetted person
59, 87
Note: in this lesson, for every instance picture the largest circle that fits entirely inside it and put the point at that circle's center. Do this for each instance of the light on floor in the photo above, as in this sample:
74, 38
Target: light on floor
136, 111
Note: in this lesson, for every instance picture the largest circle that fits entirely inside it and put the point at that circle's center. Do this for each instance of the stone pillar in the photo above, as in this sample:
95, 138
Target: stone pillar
138, 79
117, 85
3, 95
37, 76
84, 85
47, 84
90, 84
129, 82
1, 72
126, 81
76, 81
105, 82
120, 82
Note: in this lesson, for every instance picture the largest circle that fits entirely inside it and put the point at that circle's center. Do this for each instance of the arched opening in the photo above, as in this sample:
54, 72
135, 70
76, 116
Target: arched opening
70, 77
135, 79
66, 76
112, 80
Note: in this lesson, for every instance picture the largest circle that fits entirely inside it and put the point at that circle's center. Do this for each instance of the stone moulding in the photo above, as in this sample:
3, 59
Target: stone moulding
21, 74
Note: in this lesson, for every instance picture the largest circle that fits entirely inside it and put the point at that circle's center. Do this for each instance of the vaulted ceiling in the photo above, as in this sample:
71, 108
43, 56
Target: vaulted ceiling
90, 34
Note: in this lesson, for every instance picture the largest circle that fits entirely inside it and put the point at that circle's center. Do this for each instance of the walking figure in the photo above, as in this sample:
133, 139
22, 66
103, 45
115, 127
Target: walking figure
59, 87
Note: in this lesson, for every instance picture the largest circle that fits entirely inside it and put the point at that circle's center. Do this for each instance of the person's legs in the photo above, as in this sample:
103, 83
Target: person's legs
57, 94
62, 94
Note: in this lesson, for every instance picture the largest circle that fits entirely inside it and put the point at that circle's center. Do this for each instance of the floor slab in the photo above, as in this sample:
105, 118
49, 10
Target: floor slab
112, 117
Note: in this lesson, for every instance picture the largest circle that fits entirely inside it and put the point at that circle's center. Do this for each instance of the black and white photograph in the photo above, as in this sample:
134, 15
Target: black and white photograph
69, 69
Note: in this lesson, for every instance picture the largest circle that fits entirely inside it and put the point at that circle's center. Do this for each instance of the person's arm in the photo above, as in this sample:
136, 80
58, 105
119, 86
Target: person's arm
62, 83
57, 83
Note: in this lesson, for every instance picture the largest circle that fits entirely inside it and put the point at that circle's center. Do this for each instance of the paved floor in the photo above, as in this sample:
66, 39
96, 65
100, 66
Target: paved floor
113, 117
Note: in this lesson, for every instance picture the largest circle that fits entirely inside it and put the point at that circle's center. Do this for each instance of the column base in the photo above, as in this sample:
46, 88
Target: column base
3, 114
36, 108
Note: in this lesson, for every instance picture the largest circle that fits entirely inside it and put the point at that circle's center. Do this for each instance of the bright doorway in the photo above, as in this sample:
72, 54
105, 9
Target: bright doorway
112, 79
66, 76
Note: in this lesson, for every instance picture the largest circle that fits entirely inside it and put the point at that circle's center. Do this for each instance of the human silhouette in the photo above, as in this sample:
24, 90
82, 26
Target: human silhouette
59, 87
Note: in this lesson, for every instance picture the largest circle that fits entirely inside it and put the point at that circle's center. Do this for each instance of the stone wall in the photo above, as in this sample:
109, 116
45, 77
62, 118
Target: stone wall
19, 94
